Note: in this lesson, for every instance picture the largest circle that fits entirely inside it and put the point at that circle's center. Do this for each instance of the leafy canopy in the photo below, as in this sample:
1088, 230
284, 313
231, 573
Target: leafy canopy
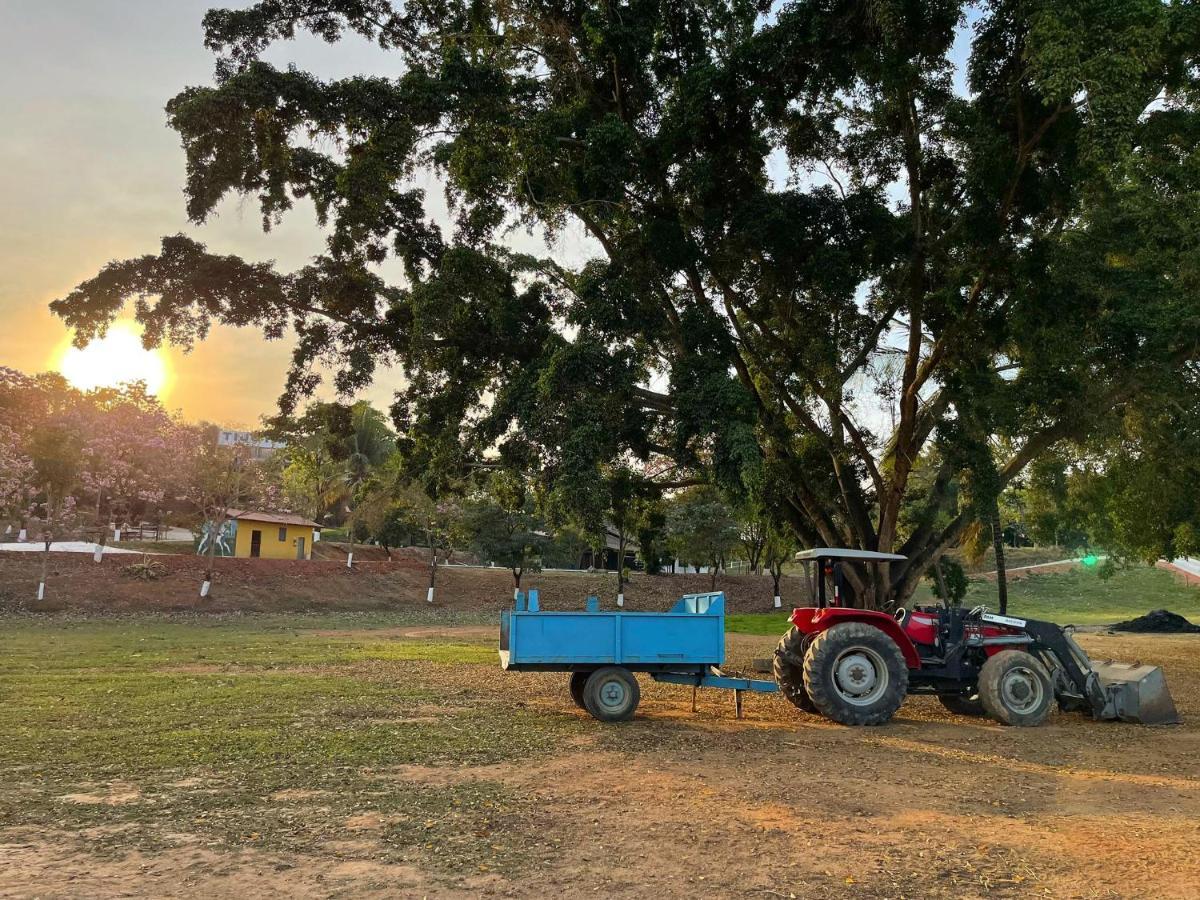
812, 245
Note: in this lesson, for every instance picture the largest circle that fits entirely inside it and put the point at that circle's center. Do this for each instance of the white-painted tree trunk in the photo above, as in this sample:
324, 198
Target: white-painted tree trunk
429, 595
350, 560
23, 535
116, 535
620, 599
204, 588
99, 554
41, 590
778, 601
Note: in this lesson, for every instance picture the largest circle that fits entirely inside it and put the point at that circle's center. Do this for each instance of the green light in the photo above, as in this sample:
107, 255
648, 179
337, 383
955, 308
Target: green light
1090, 560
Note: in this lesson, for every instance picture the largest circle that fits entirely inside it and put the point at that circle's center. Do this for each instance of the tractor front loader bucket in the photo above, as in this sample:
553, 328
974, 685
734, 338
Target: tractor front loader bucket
1135, 693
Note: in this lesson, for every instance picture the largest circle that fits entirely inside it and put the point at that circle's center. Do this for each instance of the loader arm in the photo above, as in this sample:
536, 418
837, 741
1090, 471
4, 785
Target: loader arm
1131, 693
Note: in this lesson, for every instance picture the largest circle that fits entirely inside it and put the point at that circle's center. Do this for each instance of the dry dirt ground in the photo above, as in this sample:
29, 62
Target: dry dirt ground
673, 804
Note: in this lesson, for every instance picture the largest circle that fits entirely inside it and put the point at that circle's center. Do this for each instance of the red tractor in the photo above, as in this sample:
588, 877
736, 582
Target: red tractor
856, 666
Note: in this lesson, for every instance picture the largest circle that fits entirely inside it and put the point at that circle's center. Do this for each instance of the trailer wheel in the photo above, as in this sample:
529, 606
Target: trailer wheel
611, 694
855, 674
1015, 689
578, 680
962, 704
788, 668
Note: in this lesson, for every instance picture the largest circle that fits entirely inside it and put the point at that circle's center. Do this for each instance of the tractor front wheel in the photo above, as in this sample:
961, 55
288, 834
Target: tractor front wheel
1015, 689
855, 674
788, 668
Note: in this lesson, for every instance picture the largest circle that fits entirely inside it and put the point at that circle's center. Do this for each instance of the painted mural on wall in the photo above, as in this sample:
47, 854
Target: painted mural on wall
224, 535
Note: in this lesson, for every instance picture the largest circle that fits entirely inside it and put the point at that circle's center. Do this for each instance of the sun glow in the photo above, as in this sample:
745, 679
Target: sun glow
116, 358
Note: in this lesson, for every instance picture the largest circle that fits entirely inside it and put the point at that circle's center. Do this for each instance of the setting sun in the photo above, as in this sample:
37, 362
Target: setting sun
114, 359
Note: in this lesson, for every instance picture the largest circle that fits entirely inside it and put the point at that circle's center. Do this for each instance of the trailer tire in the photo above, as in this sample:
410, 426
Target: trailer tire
1015, 689
855, 674
578, 680
611, 694
788, 668
962, 704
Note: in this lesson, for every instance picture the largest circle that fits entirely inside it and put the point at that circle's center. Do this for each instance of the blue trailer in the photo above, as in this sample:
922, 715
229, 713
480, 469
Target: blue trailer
602, 650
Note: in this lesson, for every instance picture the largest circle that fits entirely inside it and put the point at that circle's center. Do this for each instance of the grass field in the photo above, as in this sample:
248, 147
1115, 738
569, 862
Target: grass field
1077, 597
386, 754
204, 726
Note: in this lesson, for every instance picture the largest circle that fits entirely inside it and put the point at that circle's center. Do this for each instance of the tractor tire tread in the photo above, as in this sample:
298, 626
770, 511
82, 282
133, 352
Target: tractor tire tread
788, 668
818, 676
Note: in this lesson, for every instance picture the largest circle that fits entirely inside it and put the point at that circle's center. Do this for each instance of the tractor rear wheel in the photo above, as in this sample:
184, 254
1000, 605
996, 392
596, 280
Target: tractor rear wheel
611, 694
788, 668
855, 674
578, 680
962, 704
1015, 689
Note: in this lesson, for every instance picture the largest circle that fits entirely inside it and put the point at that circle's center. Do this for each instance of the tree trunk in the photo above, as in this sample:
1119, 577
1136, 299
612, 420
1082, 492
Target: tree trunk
621, 570
47, 540
213, 534
712, 584
432, 566
1001, 572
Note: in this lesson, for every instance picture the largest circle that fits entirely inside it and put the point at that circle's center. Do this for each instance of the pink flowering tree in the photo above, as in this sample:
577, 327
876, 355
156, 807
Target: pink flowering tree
130, 455
17, 481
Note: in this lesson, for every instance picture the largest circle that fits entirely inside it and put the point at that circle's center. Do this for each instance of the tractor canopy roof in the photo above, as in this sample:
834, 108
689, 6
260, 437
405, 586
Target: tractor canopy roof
844, 553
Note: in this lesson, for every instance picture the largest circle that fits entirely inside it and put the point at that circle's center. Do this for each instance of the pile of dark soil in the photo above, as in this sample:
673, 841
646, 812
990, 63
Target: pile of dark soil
1160, 621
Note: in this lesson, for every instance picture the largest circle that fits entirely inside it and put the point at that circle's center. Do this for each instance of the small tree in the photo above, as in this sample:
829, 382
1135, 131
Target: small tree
503, 527
55, 452
948, 580
17, 480
438, 521
778, 549
702, 529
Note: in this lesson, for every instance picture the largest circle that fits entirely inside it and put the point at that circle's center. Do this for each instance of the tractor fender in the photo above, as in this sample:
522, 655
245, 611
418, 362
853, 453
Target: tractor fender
812, 620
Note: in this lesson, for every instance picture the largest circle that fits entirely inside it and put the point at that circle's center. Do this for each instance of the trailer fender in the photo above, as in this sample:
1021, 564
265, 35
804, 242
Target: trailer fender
811, 620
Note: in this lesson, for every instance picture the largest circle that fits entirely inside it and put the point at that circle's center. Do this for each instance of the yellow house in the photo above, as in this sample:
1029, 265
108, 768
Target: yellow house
272, 535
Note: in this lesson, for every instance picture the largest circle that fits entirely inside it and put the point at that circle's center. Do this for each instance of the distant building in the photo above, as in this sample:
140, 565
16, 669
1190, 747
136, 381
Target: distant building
272, 535
260, 448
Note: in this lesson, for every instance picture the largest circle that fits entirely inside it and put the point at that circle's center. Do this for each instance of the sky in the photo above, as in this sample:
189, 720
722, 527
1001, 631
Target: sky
90, 173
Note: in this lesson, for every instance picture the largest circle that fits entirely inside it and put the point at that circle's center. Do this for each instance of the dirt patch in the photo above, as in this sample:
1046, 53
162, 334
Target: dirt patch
1159, 621
116, 795
191, 869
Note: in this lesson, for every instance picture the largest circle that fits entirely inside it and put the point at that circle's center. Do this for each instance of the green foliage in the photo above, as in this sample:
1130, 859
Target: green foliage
954, 576
504, 528
701, 528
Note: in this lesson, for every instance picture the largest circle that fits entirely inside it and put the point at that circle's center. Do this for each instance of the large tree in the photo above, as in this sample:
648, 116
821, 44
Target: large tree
819, 239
